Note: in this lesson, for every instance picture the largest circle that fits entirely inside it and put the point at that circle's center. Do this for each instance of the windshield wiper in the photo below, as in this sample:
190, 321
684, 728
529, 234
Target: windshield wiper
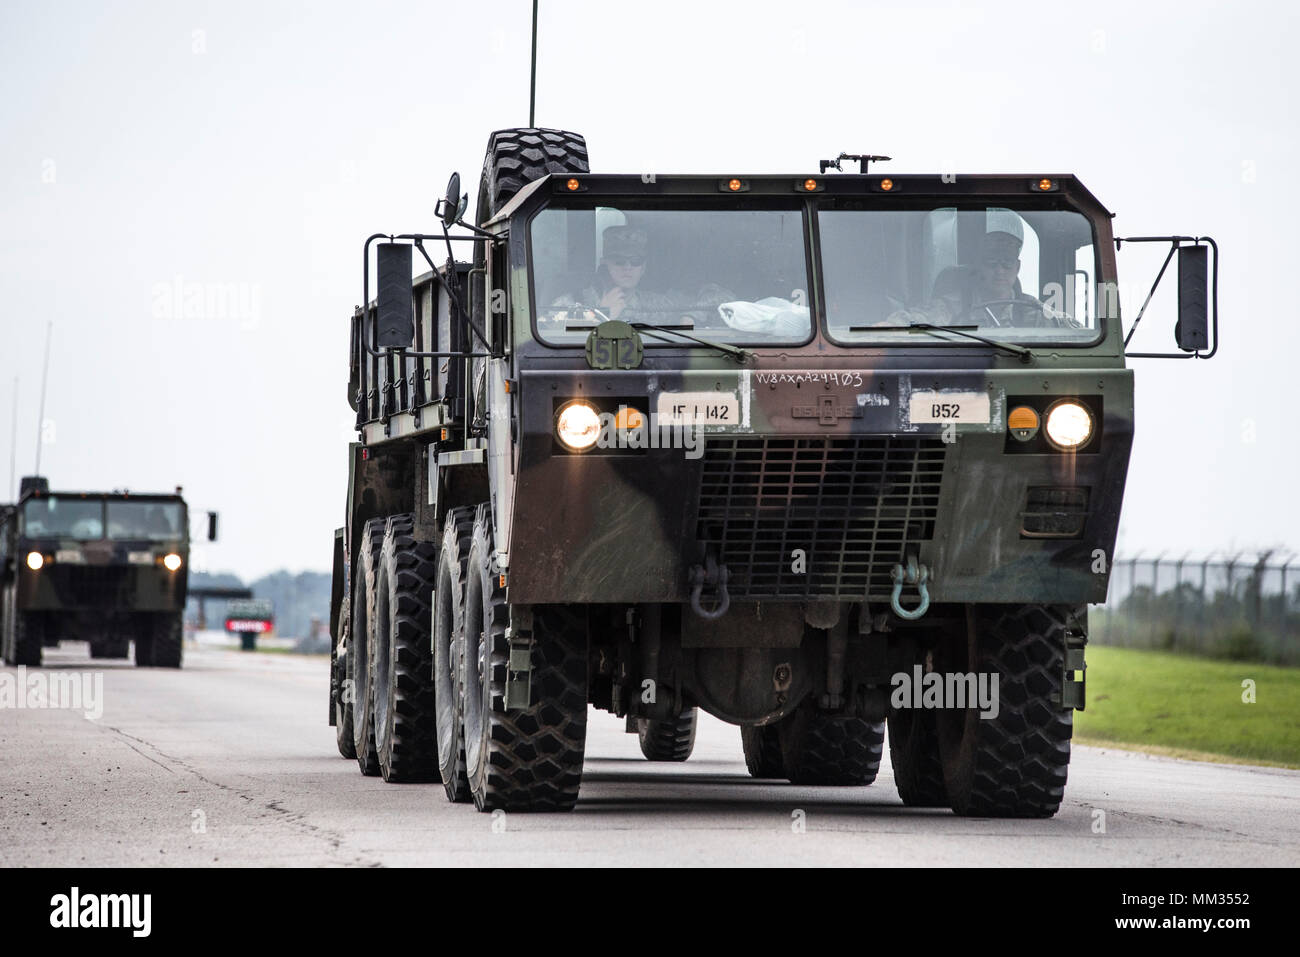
737, 353
1025, 355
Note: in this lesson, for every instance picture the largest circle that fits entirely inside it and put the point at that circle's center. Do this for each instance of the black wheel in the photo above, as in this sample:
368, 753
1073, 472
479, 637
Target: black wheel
762, 747
1013, 764
516, 157
669, 739
448, 626
914, 754
142, 628
111, 648
363, 609
401, 656
343, 686
24, 638
166, 633
826, 749
524, 759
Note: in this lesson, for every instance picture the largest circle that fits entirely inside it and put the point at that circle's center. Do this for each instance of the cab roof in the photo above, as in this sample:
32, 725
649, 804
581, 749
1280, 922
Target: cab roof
903, 187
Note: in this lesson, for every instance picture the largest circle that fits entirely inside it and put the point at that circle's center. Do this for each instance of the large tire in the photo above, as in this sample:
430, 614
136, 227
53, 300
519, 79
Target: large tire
762, 746
344, 686
363, 613
401, 656
167, 632
448, 626
24, 639
914, 754
826, 749
668, 739
1014, 764
525, 759
516, 157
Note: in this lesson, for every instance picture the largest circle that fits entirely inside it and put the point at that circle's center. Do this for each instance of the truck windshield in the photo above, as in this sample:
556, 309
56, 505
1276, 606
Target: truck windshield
737, 276
1026, 275
143, 519
56, 517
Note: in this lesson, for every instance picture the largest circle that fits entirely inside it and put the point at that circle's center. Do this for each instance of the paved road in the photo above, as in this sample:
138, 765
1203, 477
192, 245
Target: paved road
230, 762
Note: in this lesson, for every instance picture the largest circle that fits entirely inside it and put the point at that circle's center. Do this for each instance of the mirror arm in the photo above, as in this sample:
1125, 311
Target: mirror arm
1173, 248
1174, 242
452, 294
368, 332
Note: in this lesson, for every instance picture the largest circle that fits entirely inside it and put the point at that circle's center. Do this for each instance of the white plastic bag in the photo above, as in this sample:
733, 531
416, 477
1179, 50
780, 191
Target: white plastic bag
771, 316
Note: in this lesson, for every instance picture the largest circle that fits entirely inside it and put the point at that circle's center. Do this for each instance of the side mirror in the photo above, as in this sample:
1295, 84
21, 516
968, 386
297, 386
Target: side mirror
212, 526
453, 205
393, 304
1192, 331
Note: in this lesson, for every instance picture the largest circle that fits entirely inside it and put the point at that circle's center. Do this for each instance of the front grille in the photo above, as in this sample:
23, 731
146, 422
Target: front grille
91, 585
851, 504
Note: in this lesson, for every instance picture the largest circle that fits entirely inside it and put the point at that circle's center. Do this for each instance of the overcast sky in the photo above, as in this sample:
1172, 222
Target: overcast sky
251, 147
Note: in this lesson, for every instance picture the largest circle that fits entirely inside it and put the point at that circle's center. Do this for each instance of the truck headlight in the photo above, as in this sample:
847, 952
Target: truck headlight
1069, 425
577, 426
172, 561
35, 561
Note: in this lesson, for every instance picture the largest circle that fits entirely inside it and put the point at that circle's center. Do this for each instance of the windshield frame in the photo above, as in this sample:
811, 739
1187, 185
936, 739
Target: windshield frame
687, 203
971, 203
104, 500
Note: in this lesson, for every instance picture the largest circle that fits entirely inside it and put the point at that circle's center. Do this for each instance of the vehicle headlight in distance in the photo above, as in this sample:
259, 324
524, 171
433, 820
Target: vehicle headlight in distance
1069, 425
577, 426
35, 561
172, 561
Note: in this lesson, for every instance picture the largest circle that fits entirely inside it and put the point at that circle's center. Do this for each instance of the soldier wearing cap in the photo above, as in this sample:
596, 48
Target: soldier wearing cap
615, 289
988, 292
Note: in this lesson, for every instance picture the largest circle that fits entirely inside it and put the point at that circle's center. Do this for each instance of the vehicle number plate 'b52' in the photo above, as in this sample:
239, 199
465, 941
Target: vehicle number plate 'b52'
698, 408
960, 407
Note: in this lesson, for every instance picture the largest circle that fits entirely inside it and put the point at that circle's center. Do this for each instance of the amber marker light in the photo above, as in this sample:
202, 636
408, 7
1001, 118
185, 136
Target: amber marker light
887, 184
572, 185
1045, 184
629, 418
734, 185
1022, 423
810, 185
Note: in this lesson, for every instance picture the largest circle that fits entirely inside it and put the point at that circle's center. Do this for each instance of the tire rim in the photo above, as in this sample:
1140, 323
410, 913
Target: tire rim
472, 683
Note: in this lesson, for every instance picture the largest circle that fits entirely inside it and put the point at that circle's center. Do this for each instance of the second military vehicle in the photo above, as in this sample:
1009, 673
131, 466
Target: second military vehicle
831, 457
108, 568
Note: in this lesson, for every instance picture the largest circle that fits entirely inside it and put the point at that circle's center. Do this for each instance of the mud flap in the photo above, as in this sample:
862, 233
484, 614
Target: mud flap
1072, 687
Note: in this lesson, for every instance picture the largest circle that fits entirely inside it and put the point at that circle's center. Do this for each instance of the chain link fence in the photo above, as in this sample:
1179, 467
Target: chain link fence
1242, 607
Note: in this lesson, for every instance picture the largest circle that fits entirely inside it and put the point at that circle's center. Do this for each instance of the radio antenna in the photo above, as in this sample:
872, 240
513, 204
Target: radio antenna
45, 374
532, 80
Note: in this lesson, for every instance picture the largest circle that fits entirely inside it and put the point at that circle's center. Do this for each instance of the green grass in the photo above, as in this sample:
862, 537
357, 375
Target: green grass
1191, 707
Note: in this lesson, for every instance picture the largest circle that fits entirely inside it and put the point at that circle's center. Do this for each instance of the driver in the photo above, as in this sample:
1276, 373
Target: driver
615, 289
987, 293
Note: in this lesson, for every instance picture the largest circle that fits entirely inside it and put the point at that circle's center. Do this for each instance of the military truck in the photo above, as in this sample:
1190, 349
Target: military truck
837, 458
108, 568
